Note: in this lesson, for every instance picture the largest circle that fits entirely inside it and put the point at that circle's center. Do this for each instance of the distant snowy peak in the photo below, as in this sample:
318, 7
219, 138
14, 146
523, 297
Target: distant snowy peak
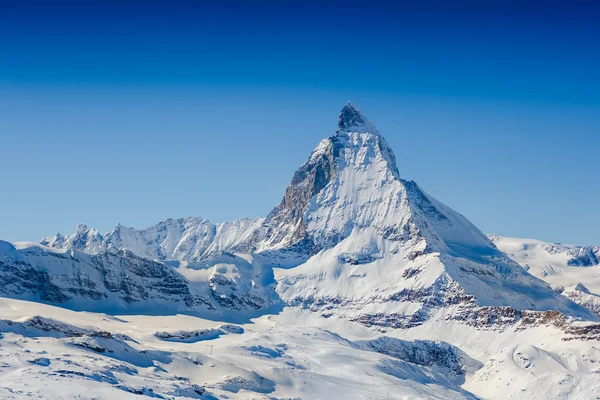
574, 256
189, 239
171, 239
573, 271
84, 239
57, 241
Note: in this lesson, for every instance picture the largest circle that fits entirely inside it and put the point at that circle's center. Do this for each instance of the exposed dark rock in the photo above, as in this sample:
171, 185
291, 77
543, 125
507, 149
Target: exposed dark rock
285, 224
587, 256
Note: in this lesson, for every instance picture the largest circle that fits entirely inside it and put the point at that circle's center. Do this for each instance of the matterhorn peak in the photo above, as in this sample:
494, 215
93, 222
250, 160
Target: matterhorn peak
351, 119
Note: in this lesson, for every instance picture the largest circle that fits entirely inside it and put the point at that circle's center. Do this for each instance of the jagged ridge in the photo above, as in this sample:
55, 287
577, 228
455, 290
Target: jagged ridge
357, 235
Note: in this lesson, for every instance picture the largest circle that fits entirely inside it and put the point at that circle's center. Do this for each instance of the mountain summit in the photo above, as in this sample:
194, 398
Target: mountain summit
351, 119
350, 237
370, 237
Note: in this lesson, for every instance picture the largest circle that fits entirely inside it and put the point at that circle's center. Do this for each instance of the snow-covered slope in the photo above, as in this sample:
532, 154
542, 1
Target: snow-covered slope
573, 271
85, 355
120, 281
379, 250
50, 352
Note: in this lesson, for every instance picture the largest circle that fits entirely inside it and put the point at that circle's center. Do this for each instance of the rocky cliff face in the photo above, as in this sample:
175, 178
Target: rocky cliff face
585, 256
120, 281
286, 224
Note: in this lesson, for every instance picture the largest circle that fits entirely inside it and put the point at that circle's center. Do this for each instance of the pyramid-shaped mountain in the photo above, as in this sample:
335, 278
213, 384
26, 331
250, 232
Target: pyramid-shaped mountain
349, 238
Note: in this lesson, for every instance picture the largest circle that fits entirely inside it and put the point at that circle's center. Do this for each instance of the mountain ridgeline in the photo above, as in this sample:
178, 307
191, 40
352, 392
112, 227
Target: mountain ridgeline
350, 239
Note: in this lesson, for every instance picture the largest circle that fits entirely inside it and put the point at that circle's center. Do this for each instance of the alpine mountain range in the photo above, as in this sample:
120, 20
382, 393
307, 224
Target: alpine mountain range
353, 256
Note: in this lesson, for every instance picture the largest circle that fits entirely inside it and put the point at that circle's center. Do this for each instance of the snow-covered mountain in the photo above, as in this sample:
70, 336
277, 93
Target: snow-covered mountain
356, 273
189, 239
120, 281
573, 271
385, 252
362, 242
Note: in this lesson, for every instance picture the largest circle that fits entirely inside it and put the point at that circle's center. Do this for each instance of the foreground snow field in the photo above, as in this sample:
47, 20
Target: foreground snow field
294, 354
358, 285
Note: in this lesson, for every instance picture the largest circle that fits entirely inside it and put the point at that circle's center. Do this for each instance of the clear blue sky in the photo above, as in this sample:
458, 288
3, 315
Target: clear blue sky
134, 112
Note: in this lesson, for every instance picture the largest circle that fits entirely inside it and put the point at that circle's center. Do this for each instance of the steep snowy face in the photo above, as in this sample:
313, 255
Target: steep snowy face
573, 271
375, 247
365, 193
349, 182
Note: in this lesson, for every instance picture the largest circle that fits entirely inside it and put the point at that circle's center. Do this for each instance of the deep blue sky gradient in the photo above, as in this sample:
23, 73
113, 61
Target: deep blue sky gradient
134, 112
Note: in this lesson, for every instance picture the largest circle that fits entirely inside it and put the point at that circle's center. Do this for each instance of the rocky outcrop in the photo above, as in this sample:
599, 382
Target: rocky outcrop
438, 355
501, 318
581, 295
286, 224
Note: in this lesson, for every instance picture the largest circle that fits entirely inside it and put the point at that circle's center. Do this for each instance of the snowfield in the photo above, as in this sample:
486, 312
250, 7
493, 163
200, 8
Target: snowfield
294, 354
358, 285
573, 271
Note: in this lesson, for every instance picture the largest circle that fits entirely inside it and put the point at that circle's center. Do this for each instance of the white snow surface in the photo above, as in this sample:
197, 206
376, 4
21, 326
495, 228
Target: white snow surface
294, 354
573, 271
